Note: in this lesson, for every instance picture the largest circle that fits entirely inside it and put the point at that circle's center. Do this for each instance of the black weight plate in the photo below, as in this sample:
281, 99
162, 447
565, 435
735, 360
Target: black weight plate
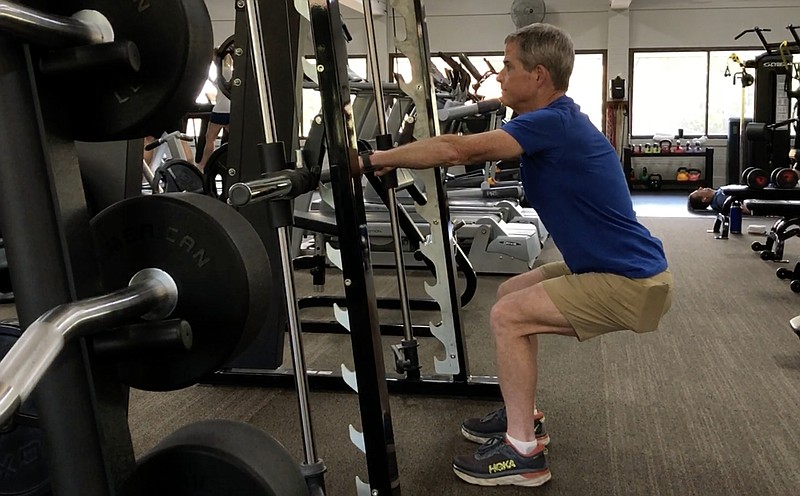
177, 175
175, 44
217, 458
218, 262
226, 49
23, 471
216, 172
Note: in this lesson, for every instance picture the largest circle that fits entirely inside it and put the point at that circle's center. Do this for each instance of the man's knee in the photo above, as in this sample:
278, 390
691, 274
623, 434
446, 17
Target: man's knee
528, 311
503, 289
506, 313
501, 318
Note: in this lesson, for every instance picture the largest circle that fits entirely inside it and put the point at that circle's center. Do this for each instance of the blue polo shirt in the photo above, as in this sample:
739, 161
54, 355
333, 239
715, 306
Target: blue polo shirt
718, 201
572, 177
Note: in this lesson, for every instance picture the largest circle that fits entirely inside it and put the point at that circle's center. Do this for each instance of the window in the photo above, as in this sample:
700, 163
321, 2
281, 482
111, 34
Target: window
488, 88
725, 92
689, 90
312, 104
585, 86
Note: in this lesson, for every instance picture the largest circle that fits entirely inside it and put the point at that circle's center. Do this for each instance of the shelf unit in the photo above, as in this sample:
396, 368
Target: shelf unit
667, 165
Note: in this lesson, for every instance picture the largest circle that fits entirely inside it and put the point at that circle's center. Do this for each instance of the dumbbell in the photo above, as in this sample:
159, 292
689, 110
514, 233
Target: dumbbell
784, 178
755, 178
744, 175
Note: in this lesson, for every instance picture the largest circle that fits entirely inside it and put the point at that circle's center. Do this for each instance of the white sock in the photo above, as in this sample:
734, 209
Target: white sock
524, 447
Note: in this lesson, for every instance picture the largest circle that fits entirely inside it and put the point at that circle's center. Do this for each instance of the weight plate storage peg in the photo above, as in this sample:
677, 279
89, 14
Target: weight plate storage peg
175, 45
219, 264
217, 458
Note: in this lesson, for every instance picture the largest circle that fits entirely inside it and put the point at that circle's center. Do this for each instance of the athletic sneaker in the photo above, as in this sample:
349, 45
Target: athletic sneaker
480, 430
497, 463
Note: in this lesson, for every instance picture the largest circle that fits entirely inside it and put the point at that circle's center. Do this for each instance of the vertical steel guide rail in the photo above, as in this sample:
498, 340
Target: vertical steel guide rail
296, 341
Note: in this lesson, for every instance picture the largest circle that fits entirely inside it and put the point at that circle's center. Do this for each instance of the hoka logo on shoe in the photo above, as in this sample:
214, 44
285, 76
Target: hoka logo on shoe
501, 466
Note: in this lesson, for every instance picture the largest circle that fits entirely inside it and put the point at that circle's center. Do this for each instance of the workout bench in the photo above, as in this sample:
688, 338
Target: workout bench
741, 193
788, 226
790, 213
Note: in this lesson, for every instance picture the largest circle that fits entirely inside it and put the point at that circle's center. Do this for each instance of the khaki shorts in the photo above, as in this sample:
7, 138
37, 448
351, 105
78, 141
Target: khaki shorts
597, 303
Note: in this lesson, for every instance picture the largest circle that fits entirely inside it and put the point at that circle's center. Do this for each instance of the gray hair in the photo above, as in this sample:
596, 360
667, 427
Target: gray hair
546, 45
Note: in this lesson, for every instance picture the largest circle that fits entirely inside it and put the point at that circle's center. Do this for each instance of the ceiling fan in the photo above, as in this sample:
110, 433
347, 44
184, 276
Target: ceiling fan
524, 12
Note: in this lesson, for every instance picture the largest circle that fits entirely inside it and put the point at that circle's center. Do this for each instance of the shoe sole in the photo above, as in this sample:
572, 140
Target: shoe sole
544, 440
530, 480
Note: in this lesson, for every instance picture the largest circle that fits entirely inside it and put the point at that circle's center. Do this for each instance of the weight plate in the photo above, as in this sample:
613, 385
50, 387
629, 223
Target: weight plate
226, 50
175, 45
218, 262
177, 175
23, 471
216, 173
217, 458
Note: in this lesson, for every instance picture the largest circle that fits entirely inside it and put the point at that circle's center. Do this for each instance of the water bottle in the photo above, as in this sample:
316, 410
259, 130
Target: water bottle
736, 218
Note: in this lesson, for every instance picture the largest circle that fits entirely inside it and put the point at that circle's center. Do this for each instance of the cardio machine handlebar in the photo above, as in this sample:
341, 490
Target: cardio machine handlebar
160, 141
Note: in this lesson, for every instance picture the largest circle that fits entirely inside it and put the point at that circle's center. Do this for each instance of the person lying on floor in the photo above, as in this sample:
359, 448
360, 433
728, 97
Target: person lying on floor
703, 199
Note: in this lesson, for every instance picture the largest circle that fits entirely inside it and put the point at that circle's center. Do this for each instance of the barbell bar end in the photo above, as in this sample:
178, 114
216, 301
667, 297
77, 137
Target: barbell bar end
240, 194
103, 31
167, 305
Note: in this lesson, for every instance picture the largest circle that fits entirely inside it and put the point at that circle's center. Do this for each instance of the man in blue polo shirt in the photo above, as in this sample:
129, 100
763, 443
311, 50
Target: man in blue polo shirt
614, 275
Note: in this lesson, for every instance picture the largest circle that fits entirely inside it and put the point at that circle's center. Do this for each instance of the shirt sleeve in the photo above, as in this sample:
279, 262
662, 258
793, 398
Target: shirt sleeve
718, 200
535, 131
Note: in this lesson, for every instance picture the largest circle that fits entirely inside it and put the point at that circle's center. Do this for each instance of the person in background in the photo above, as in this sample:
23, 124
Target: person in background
220, 115
704, 199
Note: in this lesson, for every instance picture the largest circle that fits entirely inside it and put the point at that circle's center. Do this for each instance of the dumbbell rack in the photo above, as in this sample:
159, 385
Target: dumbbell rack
668, 181
45, 222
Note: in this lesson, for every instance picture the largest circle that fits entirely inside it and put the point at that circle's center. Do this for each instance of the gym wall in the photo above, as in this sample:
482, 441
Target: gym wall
480, 25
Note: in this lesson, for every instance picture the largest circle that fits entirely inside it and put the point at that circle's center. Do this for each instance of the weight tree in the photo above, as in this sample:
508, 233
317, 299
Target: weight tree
122, 89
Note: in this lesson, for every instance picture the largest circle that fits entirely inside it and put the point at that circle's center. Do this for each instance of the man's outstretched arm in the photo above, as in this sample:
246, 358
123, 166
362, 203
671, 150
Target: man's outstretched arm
449, 149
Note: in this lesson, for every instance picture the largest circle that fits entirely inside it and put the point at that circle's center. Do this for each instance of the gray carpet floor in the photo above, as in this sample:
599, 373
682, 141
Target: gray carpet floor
707, 405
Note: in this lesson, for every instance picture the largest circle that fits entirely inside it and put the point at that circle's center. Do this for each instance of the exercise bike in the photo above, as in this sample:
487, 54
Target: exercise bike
169, 170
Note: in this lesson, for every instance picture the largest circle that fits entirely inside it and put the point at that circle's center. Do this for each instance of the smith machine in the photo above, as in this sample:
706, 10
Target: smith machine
284, 180
452, 375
